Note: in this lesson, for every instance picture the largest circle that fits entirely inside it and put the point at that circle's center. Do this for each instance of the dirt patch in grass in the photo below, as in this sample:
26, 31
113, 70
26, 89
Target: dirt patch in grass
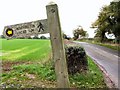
7, 65
40, 84
68, 42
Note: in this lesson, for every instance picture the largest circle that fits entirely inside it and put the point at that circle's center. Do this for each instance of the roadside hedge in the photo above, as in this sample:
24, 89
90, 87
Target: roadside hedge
76, 59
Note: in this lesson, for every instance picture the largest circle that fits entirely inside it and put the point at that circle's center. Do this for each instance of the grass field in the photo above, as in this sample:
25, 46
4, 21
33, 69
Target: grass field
26, 63
30, 50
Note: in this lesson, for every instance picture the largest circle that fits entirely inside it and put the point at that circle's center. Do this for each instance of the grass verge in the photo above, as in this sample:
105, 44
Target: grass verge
108, 45
111, 46
21, 75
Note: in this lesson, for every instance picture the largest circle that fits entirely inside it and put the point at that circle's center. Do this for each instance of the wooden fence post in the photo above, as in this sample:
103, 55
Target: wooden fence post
57, 46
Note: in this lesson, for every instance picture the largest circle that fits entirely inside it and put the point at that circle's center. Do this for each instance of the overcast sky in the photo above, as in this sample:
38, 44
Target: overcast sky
72, 13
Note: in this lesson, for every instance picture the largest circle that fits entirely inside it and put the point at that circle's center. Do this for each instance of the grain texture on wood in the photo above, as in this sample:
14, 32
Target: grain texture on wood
57, 46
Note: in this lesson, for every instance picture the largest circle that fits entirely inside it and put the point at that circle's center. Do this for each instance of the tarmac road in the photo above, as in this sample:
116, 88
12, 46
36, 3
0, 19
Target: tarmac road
105, 57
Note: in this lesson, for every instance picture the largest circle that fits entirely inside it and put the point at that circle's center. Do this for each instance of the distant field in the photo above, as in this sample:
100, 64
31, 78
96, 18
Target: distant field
25, 49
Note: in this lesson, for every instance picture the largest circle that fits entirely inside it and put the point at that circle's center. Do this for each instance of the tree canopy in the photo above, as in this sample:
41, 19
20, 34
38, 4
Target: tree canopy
108, 21
79, 32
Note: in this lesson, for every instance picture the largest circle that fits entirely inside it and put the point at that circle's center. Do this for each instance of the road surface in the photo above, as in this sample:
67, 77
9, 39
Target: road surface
106, 58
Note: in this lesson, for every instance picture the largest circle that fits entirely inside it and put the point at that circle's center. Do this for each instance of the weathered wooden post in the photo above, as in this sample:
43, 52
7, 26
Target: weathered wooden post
57, 46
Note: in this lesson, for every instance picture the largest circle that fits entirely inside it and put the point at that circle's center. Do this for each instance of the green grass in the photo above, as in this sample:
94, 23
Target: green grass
28, 74
25, 49
108, 45
116, 47
92, 79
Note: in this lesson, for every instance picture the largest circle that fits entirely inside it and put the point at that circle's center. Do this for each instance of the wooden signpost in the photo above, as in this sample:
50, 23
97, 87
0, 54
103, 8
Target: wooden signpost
57, 46
51, 25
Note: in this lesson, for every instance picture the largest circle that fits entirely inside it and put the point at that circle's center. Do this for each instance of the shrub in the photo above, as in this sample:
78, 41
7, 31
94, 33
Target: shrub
35, 37
2, 36
43, 37
76, 59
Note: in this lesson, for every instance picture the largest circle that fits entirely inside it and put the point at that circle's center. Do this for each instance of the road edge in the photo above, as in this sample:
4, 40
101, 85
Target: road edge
108, 81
